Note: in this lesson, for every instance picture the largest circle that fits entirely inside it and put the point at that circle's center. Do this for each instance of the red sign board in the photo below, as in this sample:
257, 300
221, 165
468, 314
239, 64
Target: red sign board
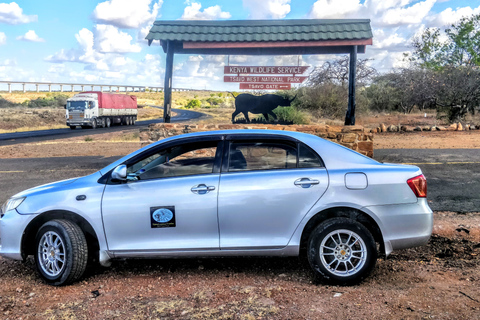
265, 86
265, 79
264, 70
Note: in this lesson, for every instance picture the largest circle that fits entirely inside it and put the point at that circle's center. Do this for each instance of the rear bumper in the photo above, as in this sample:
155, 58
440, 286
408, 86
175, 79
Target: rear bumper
404, 226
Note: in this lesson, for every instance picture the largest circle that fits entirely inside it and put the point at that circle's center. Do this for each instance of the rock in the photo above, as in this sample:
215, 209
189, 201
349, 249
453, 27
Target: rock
427, 128
472, 127
19, 290
409, 129
459, 127
417, 128
31, 294
383, 127
336, 295
452, 127
441, 128
392, 128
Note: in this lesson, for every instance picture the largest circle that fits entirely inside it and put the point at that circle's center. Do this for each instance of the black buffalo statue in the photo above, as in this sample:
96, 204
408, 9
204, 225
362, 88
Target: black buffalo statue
263, 104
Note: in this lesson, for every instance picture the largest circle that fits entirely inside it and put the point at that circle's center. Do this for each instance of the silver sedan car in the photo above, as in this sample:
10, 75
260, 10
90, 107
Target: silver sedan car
224, 193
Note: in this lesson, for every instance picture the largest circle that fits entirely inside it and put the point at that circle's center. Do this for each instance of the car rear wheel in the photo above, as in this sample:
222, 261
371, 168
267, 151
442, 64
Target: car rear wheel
61, 252
341, 251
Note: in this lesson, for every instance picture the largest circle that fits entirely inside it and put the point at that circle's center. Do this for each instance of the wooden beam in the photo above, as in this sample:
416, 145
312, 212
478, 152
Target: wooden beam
167, 94
268, 51
352, 71
275, 44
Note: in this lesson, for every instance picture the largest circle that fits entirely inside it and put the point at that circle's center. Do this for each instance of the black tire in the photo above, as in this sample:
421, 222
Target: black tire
348, 265
85, 127
133, 121
128, 121
73, 246
94, 124
73, 127
108, 122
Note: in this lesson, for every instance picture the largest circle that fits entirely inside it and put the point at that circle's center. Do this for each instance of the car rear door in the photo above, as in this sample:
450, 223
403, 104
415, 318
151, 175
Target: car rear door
169, 201
266, 189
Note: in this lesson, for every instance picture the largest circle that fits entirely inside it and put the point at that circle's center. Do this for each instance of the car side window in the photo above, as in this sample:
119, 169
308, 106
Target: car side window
307, 158
262, 155
181, 160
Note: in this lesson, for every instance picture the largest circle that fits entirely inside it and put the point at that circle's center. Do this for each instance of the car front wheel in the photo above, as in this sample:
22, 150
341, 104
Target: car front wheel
341, 251
61, 252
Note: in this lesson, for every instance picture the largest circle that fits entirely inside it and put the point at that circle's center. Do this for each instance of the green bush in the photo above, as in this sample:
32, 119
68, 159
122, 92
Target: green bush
286, 115
291, 114
193, 104
214, 101
57, 101
4, 103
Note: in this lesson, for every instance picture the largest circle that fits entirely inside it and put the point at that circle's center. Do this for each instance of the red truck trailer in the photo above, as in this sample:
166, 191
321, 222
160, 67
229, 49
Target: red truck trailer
99, 109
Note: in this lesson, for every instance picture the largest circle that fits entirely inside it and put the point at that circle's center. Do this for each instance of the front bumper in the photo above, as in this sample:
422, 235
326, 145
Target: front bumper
404, 226
85, 122
12, 227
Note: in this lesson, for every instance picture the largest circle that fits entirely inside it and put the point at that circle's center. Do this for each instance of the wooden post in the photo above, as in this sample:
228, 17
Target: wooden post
352, 71
167, 93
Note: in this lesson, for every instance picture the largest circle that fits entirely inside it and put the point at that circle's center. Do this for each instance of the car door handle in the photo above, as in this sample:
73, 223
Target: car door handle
305, 182
202, 189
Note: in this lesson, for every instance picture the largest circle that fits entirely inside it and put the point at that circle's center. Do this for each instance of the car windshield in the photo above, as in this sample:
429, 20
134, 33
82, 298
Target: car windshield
76, 105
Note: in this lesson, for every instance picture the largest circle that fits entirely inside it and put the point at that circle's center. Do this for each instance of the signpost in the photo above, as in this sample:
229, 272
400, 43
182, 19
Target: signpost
265, 86
265, 78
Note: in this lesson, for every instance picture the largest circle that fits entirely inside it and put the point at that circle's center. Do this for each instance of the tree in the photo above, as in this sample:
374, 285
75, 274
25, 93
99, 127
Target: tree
460, 48
457, 91
336, 72
403, 90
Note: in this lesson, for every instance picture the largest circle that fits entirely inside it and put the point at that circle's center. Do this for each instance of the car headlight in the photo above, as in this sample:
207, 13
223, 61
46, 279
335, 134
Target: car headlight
11, 204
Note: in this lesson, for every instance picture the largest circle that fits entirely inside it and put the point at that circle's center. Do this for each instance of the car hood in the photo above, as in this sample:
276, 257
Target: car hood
45, 187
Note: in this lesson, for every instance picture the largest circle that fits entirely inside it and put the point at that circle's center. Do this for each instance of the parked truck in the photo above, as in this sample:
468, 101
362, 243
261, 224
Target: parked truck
94, 109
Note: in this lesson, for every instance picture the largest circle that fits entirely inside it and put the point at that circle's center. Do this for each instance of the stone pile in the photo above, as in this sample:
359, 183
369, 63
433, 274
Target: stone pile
405, 128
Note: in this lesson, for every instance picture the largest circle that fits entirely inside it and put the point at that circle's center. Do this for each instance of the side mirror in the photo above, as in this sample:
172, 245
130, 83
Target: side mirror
64, 106
119, 173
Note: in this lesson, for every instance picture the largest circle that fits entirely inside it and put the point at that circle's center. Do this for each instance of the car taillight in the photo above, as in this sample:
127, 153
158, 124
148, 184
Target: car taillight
418, 185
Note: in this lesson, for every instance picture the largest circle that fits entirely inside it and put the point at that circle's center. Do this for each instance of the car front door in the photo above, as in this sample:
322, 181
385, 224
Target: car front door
169, 201
267, 186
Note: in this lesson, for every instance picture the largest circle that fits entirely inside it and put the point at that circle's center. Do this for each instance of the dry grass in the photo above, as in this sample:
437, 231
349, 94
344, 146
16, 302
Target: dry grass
20, 119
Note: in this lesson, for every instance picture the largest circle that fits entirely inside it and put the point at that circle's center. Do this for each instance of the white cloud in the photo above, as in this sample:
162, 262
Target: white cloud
11, 13
3, 38
407, 15
8, 62
30, 36
450, 16
381, 12
331, 9
110, 39
193, 12
391, 41
267, 9
127, 13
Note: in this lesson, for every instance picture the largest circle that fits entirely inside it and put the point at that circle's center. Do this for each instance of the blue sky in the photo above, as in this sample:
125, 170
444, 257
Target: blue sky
103, 41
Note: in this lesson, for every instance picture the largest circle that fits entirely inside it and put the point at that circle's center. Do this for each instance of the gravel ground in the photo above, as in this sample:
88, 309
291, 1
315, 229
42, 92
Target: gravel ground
440, 280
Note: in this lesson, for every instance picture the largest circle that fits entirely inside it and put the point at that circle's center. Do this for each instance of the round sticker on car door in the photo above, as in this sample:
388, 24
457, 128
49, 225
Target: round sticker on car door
162, 217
